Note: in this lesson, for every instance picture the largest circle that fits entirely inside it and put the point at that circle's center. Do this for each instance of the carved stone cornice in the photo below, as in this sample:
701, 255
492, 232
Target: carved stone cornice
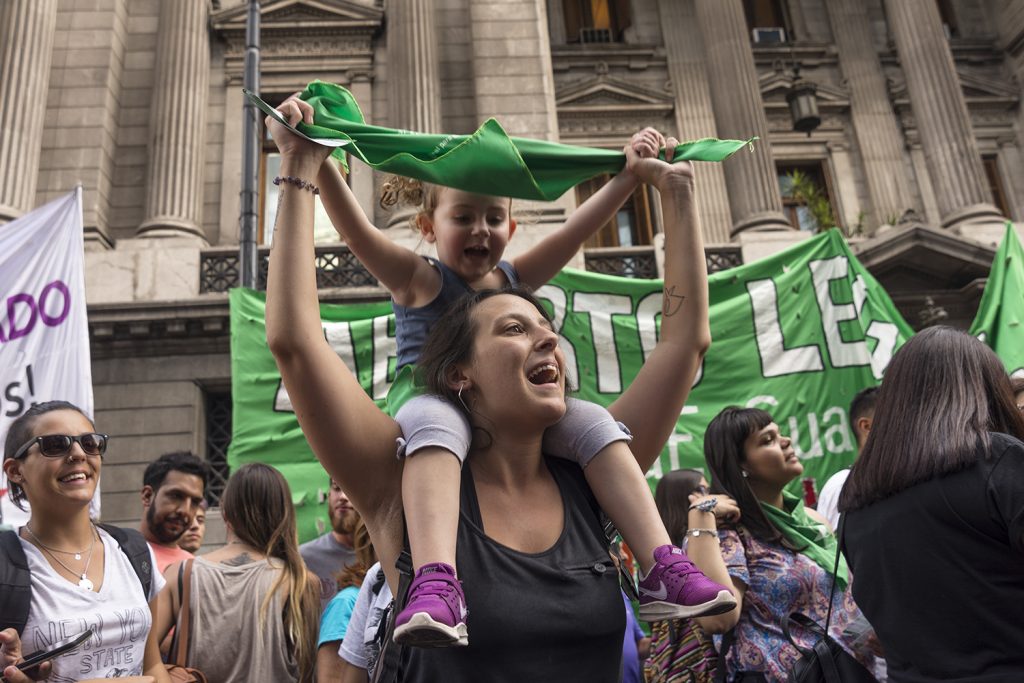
614, 55
808, 54
605, 106
169, 328
992, 105
307, 36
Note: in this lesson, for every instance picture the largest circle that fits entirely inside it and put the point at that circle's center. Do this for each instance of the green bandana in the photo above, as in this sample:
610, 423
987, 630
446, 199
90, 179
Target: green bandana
812, 537
486, 162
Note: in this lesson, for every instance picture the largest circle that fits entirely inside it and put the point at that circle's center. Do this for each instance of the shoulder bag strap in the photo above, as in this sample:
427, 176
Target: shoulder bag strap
835, 571
727, 641
181, 632
827, 662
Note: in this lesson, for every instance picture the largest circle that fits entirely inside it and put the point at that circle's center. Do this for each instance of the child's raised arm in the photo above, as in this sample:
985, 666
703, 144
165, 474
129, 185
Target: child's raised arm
399, 269
543, 261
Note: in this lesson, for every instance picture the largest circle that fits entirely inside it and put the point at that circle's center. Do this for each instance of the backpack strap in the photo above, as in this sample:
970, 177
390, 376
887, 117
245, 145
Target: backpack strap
133, 545
388, 669
15, 583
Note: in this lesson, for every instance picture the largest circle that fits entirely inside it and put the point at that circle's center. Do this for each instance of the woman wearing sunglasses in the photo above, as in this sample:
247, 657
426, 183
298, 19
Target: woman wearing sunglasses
80, 577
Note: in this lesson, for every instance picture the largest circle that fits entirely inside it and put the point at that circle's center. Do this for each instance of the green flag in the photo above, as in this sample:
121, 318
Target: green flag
486, 162
798, 333
1000, 319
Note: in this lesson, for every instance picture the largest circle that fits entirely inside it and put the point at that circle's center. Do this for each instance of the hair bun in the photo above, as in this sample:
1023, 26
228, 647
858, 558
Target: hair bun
401, 191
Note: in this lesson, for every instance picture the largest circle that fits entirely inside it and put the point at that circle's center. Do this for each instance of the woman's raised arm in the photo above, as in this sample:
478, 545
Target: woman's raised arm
651, 405
352, 438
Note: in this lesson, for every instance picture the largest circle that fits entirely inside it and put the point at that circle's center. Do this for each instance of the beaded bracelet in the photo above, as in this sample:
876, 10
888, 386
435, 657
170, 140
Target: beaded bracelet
297, 182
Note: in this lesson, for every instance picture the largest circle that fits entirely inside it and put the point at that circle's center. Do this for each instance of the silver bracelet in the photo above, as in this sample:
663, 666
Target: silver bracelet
695, 532
707, 505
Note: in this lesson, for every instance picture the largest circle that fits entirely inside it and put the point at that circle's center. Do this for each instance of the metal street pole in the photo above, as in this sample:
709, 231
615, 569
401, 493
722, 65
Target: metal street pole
247, 254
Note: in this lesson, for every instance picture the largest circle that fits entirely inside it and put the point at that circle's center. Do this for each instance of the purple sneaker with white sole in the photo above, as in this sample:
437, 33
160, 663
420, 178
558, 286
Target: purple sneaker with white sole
676, 589
435, 611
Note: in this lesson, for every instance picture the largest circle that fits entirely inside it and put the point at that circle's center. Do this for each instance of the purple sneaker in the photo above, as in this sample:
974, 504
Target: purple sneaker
435, 612
675, 588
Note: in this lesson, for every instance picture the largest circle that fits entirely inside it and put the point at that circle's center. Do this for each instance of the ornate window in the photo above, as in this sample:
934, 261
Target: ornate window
633, 224
948, 16
807, 196
270, 168
767, 21
217, 405
595, 21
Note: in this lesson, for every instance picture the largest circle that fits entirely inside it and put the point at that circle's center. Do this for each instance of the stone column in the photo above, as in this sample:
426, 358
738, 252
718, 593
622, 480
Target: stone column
413, 73
177, 125
752, 179
940, 112
695, 117
514, 82
874, 122
26, 45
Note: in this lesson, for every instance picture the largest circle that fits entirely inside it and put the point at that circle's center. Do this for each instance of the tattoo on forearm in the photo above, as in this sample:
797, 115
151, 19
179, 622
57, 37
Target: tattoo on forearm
238, 560
672, 302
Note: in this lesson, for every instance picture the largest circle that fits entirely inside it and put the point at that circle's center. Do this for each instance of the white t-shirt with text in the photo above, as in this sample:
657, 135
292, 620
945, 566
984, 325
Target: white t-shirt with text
119, 615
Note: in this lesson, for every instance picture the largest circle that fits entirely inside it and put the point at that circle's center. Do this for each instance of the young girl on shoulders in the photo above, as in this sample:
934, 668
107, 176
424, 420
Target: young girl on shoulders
471, 232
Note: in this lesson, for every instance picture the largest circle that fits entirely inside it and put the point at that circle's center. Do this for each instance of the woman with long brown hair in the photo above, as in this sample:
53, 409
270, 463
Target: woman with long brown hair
254, 607
934, 511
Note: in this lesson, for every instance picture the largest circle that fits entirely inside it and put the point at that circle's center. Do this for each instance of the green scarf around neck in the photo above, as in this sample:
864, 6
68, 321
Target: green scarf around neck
812, 537
487, 162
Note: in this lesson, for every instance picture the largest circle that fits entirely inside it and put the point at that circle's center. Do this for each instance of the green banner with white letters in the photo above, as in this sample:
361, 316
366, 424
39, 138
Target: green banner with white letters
1000, 318
798, 333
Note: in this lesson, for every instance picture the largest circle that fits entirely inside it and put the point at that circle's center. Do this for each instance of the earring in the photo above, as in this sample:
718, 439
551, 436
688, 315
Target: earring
461, 387
745, 475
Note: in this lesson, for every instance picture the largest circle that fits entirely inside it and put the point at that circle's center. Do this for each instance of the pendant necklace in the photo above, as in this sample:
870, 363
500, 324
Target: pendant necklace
84, 582
76, 553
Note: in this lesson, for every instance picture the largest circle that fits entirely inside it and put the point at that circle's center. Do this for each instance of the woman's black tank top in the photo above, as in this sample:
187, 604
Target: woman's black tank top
550, 616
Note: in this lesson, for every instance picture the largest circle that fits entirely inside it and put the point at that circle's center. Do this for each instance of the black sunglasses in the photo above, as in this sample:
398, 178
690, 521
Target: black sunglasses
58, 445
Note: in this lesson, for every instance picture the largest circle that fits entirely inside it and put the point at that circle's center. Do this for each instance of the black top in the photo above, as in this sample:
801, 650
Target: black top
939, 572
550, 616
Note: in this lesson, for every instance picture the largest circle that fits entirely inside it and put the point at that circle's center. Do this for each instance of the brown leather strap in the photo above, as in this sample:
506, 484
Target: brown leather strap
181, 637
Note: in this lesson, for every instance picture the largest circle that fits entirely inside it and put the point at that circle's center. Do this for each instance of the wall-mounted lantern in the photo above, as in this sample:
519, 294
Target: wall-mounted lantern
802, 98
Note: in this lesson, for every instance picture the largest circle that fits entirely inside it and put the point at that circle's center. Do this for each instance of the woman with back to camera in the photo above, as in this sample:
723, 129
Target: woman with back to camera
934, 514
778, 557
543, 596
254, 607
80, 576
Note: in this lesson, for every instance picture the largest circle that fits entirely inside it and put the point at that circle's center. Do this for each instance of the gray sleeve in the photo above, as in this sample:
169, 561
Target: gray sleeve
352, 648
432, 421
583, 432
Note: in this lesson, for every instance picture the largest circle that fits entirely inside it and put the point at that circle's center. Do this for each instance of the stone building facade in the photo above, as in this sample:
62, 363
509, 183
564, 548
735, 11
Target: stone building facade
920, 150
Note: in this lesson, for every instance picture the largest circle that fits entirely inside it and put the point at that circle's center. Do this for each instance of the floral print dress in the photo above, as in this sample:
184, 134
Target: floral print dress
781, 581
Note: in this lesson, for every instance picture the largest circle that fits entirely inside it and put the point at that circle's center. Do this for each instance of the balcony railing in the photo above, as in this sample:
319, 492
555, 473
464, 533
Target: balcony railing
640, 262
636, 262
337, 267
